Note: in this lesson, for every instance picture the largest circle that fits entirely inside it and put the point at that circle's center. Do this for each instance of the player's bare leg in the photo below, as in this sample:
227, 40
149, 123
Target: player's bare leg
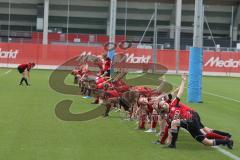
24, 78
201, 138
174, 133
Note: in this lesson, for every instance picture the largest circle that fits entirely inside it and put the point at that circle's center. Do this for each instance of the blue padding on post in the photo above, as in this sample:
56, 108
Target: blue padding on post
111, 55
195, 75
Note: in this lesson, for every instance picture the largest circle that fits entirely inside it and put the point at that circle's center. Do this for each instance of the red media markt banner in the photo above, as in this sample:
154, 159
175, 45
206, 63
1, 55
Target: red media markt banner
53, 55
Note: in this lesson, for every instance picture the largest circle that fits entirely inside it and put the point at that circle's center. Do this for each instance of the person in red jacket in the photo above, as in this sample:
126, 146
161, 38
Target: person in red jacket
106, 66
24, 69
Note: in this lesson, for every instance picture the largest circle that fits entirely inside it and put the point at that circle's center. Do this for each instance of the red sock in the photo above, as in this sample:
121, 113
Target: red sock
212, 135
164, 137
153, 125
142, 122
154, 118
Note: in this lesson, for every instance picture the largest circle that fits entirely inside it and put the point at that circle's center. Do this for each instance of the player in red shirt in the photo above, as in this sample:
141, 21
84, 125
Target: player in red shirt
24, 69
153, 118
83, 81
110, 97
142, 111
105, 67
180, 115
162, 108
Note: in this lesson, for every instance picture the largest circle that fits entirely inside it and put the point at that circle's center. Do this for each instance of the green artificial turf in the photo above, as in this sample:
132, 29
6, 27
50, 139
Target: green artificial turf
30, 130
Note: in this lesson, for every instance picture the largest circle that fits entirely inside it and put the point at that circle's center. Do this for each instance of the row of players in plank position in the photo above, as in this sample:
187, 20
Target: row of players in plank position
149, 105
144, 104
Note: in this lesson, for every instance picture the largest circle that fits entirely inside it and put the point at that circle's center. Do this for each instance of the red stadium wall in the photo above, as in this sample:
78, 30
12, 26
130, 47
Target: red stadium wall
54, 55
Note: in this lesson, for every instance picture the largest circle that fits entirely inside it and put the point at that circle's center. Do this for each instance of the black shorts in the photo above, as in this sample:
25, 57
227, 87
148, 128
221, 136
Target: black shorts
20, 70
108, 73
193, 127
124, 104
196, 115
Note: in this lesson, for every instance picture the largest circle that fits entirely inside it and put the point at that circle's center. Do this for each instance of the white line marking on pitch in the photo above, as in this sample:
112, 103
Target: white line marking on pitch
7, 72
226, 153
223, 97
223, 151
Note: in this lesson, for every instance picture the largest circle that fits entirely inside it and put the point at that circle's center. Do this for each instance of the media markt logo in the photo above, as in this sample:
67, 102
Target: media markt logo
131, 58
9, 53
217, 62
